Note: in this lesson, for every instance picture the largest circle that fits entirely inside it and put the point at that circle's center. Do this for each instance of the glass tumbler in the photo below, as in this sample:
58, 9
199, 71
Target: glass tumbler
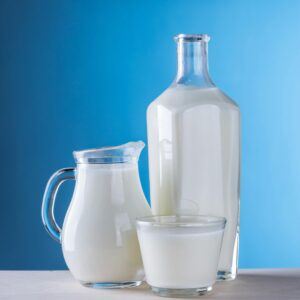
180, 253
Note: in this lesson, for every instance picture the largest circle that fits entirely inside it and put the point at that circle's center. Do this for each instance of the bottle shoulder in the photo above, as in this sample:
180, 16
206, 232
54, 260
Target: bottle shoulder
179, 97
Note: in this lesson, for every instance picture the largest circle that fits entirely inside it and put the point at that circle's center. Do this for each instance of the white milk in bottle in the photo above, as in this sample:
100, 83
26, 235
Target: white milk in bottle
194, 148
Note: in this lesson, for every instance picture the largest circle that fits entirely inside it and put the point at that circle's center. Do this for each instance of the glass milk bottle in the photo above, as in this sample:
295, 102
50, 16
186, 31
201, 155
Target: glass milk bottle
194, 148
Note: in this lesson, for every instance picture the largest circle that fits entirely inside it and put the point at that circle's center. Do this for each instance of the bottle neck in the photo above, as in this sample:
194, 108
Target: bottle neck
192, 61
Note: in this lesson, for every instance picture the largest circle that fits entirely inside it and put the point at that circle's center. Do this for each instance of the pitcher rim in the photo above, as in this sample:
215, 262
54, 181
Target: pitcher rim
128, 152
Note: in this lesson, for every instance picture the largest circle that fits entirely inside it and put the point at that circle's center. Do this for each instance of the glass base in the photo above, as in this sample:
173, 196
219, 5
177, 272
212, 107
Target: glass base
111, 285
180, 293
225, 276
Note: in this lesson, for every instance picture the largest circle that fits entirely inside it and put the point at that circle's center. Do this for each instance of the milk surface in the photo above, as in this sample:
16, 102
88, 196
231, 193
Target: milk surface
99, 239
180, 259
193, 139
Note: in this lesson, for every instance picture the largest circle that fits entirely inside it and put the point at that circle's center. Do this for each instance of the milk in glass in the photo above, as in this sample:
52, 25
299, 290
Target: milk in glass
180, 253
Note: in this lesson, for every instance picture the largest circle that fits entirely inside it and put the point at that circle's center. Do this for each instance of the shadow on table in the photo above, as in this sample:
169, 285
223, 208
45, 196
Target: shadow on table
261, 286
248, 286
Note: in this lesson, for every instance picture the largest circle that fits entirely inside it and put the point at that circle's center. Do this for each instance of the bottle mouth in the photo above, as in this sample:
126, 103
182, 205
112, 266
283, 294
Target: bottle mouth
191, 37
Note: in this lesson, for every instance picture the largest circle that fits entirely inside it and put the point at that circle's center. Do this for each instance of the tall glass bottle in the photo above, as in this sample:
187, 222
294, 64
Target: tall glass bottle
194, 148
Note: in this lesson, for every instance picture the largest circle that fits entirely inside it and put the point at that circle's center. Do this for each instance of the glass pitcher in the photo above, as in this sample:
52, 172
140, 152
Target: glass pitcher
98, 237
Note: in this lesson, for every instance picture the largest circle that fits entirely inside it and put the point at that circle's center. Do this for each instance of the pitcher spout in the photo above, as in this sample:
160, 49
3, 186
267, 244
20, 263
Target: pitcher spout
136, 148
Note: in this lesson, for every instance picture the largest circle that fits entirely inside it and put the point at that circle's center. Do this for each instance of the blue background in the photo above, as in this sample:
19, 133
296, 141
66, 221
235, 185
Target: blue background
80, 74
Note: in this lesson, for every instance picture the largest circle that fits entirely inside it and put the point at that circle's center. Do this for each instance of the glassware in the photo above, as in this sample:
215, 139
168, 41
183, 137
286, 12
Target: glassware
194, 148
180, 253
99, 240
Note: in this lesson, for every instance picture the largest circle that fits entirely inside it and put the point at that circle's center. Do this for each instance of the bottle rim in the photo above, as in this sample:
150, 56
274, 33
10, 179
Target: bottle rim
191, 37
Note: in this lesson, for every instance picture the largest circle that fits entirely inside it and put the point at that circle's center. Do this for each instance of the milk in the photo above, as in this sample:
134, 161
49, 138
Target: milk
193, 139
99, 239
180, 259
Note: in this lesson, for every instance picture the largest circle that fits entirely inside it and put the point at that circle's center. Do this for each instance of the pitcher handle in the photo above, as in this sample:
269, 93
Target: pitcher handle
49, 200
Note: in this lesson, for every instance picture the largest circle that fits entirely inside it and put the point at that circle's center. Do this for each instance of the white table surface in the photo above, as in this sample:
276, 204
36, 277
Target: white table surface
283, 284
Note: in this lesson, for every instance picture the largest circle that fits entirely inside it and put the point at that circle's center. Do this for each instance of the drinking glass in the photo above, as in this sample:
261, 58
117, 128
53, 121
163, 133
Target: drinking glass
180, 253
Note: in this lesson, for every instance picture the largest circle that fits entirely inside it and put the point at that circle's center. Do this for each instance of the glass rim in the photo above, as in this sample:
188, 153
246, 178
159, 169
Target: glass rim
192, 37
203, 221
